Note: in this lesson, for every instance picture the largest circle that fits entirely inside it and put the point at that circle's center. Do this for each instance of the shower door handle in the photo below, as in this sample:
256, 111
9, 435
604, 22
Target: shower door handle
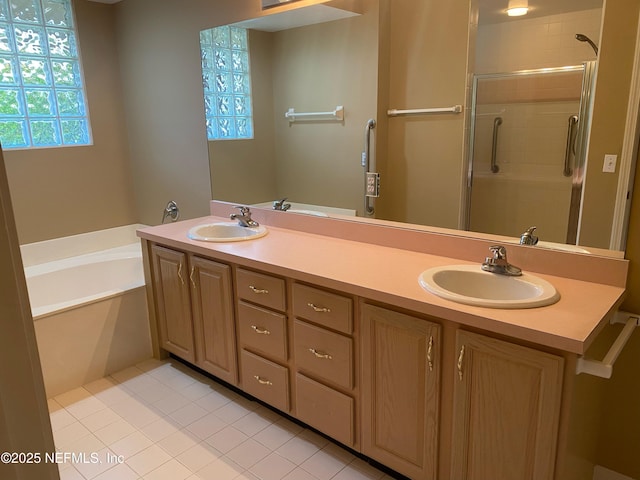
573, 121
494, 146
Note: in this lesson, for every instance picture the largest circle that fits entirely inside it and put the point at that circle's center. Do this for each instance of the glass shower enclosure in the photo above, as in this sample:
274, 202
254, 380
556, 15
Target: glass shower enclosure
528, 139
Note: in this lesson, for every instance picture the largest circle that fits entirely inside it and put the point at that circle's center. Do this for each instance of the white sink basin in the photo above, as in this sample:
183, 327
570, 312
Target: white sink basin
225, 232
470, 285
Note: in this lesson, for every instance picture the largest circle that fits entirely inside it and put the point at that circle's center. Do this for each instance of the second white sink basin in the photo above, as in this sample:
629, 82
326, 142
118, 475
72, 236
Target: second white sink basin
470, 285
225, 232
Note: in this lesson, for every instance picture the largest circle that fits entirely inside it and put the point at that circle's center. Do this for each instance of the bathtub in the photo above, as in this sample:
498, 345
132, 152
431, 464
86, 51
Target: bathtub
88, 303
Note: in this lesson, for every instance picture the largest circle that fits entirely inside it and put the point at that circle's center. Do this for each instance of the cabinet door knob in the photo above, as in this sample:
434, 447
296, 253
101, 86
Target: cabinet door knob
318, 309
319, 354
260, 330
460, 360
262, 381
258, 290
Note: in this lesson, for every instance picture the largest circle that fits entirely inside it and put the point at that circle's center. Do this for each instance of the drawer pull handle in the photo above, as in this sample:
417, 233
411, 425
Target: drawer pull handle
260, 330
319, 309
460, 360
318, 354
430, 354
258, 290
262, 381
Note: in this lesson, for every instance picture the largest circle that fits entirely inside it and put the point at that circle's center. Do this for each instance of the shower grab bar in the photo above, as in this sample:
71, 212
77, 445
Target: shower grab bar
369, 209
337, 114
573, 121
494, 146
424, 111
604, 368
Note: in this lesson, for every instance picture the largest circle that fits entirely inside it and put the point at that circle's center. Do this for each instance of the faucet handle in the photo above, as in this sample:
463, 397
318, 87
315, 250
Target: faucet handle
243, 209
498, 252
528, 238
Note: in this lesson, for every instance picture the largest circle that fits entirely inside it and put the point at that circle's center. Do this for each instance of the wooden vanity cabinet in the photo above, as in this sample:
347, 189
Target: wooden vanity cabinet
194, 310
425, 398
173, 302
325, 362
400, 391
263, 337
506, 410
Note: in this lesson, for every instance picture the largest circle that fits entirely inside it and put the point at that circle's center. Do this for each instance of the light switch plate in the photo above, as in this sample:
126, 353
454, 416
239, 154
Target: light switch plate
609, 165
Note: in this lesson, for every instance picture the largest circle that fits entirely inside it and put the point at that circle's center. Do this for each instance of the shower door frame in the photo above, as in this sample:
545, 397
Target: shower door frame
588, 69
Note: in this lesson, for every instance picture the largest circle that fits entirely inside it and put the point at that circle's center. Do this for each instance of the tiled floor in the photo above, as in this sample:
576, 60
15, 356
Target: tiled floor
161, 420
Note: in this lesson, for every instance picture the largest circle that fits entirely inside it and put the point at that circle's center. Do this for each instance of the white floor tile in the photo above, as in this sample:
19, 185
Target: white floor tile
248, 453
167, 422
131, 445
172, 470
272, 467
226, 439
114, 431
119, 472
221, 469
177, 442
148, 460
198, 456
207, 426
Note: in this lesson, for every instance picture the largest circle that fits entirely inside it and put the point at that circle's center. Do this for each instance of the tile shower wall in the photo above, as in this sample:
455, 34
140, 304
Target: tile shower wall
537, 42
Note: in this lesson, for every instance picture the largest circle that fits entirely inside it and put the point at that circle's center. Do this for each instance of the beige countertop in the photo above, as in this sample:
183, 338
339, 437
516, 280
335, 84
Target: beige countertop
390, 275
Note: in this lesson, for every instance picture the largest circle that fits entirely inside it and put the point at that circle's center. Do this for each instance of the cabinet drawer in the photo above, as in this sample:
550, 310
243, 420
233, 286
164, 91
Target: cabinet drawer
262, 330
265, 380
261, 289
326, 409
326, 354
324, 308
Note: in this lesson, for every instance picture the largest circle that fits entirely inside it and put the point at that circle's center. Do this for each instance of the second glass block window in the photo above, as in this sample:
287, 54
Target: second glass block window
227, 83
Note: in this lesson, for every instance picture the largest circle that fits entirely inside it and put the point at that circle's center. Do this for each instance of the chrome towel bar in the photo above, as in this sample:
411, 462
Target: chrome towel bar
425, 111
604, 368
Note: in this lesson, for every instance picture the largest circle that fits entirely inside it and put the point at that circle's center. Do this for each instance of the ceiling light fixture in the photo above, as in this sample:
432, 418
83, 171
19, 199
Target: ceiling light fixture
517, 8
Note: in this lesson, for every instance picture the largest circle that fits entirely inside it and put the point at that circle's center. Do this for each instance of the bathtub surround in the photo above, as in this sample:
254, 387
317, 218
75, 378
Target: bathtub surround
89, 305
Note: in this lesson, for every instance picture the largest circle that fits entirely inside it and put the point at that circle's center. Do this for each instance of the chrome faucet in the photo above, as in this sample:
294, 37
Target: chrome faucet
244, 217
497, 263
280, 205
528, 238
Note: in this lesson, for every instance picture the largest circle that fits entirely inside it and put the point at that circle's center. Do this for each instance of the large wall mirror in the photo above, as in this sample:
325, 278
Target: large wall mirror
504, 136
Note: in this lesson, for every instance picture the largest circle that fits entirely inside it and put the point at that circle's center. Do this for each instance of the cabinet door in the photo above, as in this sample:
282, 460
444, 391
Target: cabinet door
173, 302
400, 391
213, 318
506, 410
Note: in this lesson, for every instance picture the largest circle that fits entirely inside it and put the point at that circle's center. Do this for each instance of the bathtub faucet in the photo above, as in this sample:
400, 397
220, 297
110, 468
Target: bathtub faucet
528, 238
171, 211
280, 205
244, 217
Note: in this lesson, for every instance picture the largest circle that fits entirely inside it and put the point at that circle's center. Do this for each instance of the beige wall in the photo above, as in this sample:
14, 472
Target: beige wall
161, 74
64, 191
244, 171
422, 167
312, 68
609, 116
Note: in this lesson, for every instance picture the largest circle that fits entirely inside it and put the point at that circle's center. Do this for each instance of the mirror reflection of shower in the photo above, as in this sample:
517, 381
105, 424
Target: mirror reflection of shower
581, 37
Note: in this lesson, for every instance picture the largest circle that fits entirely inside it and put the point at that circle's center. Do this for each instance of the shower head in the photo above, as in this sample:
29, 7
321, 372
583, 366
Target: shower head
583, 38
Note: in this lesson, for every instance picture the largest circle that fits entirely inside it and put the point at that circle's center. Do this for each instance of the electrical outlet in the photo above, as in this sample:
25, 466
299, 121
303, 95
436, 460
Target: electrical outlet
609, 165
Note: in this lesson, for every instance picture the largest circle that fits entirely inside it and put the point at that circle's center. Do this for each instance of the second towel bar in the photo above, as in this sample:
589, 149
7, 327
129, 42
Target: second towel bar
424, 111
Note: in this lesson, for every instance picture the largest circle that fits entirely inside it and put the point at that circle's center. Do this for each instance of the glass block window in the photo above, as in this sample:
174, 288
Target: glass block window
42, 101
227, 83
